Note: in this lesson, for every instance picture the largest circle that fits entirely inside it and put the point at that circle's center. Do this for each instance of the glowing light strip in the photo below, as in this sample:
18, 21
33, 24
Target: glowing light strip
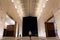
18, 6
40, 6
46, 0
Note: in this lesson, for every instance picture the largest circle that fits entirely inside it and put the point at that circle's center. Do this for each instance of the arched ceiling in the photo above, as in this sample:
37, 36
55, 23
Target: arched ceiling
29, 7
20, 8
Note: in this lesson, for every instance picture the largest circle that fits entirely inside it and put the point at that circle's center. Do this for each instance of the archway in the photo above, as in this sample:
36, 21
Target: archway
30, 24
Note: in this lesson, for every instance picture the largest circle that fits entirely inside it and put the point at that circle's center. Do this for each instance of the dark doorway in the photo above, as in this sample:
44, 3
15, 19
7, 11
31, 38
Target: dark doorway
50, 27
50, 31
30, 24
10, 31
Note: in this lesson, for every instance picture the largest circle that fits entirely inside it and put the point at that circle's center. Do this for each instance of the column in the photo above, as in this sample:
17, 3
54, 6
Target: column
2, 22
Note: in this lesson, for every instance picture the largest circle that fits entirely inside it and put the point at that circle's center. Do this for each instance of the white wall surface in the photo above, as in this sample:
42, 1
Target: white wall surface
2, 22
9, 21
57, 20
20, 28
41, 29
56, 13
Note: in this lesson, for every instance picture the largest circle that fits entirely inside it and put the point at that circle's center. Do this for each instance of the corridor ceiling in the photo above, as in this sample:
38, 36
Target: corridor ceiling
29, 7
21, 8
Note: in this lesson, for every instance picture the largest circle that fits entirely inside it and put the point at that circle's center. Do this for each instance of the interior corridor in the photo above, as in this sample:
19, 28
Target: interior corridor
30, 19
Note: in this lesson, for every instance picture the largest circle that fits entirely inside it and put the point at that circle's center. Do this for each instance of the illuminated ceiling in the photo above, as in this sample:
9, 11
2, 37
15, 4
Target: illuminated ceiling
20, 8
30, 7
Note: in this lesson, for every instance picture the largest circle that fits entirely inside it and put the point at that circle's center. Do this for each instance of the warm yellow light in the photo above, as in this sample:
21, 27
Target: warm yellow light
12, 0
18, 6
40, 6
46, 0
15, 6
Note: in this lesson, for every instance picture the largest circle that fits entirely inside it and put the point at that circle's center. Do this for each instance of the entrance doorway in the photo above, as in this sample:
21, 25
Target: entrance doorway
50, 28
9, 32
10, 27
29, 24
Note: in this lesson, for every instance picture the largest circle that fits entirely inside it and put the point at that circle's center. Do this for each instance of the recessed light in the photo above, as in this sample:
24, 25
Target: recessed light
46, 0
43, 6
15, 6
12, 0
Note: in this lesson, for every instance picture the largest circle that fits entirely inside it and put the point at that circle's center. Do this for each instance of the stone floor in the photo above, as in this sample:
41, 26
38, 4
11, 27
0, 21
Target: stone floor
28, 38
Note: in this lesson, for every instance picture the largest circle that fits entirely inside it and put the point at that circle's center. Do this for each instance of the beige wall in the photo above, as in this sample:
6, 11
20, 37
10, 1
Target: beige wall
2, 22
57, 21
41, 22
56, 13
41, 27
20, 28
